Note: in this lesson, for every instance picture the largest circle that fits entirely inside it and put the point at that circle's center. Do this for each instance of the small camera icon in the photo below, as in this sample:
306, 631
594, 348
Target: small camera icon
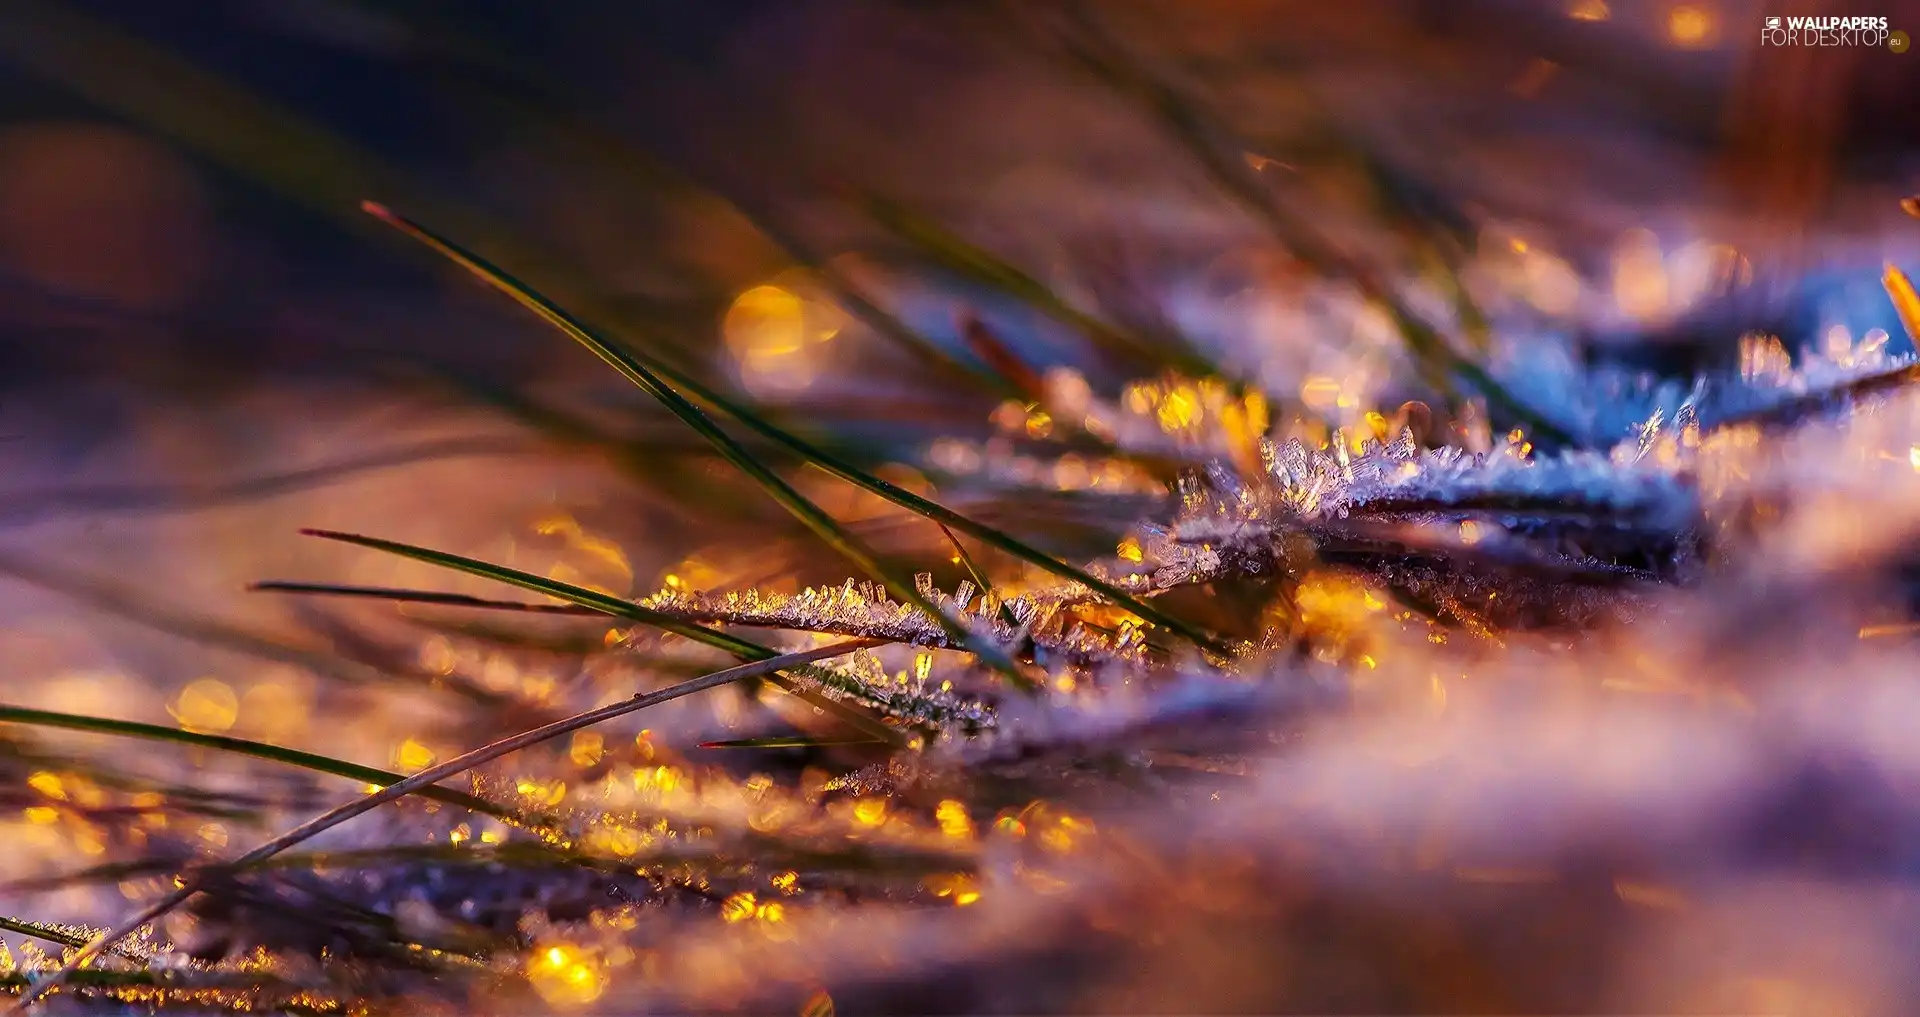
1773, 23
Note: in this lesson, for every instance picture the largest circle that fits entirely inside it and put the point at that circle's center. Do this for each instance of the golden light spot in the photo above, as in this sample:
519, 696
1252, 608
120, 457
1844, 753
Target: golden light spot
772, 911
275, 711
786, 882
664, 779
922, 667
206, 706
1130, 550
460, 835
588, 747
1066, 683
739, 907
213, 834
870, 811
1640, 287
817, 1005
411, 756
566, 977
771, 330
48, 784
1039, 424
1071, 473
1178, 410
41, 815
953, 819
1320, 392
540, 793
1011, 826
1470, 532
1140, 397
1913, 457
1690, 25
1905, 301
437, 657
1550, 284
1589, 10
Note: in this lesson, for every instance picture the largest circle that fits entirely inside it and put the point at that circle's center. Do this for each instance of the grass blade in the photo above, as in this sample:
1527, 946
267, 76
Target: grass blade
624, 359
1181, 119
803, 509
245, 747
398, 596
191, 883
744, 649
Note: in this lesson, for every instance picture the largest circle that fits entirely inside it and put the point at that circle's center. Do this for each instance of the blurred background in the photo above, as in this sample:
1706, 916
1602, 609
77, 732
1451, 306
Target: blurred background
878, 221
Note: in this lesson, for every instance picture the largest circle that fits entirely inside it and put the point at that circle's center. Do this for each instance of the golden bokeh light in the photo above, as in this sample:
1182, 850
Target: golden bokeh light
207, 706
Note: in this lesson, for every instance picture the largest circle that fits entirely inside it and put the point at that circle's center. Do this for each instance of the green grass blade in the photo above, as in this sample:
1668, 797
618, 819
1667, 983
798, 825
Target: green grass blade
823, 525
817, 456
614, 606
241, 746
399, 596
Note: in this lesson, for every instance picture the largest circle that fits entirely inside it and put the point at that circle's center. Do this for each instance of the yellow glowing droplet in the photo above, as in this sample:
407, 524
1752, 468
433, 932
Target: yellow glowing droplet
953, 819
1913, 457
1369, 662
785, 882
1689, 25
922, 666
870, 811
42, 815
412, 755
1039, 424
773, 911
588, 746
1470, 532
965, 897
1178, 410
739, 907
1130, 550
205, 705
1589, 10
565, 977
48, 784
